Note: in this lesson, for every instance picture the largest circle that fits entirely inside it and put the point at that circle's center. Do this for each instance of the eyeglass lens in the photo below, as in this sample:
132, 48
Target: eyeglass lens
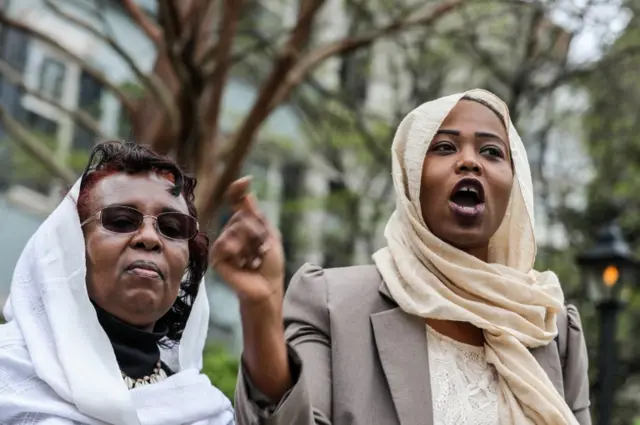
173, 225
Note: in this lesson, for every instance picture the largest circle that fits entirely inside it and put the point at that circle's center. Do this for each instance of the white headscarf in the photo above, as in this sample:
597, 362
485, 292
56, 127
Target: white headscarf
514, 305
59, 362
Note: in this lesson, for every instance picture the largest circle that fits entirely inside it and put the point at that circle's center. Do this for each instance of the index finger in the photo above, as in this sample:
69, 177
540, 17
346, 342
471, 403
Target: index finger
237, 191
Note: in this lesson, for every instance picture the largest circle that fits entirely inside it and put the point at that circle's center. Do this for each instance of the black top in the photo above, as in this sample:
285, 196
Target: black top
136, 350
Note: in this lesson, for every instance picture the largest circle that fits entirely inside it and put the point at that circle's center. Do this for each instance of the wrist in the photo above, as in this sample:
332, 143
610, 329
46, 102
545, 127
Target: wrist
265, 355
265, 310
262, 323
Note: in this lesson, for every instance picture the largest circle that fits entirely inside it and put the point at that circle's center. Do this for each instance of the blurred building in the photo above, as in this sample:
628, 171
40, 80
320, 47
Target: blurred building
375, 78
382, 83
26, 197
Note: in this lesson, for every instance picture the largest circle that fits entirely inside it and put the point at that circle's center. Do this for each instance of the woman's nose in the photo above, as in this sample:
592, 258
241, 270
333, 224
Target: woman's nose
468, 163
147, 236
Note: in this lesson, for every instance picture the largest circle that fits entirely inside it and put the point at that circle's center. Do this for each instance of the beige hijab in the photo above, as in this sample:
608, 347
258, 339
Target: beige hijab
514, 305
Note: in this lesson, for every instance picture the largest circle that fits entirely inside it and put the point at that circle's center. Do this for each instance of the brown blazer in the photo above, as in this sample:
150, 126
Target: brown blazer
358, 359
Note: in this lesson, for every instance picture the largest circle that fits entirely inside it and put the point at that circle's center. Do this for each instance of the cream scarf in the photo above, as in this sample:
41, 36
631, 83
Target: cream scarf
514, 305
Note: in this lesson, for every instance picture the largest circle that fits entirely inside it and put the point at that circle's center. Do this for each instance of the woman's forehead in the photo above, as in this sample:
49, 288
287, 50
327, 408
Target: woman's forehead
469, 116
146, 191
476, 113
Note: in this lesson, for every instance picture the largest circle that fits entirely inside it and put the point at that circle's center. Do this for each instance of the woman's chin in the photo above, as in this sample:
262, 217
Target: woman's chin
471, 240
140, 307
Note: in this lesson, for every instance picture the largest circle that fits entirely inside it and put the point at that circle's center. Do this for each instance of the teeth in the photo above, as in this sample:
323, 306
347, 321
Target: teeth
469, 189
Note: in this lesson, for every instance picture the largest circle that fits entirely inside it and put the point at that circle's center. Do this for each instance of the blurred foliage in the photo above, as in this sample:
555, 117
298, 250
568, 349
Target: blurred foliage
133, 89
509, 48
354, 146
611, 129
25, 170
221, 366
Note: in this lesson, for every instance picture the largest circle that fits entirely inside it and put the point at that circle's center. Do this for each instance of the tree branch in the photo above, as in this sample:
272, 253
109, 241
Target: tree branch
169, 19
196, 28
212, 191
349, 44
29, 143
517, 85
127, 103
14, 78
144, 22
151, 82
582, 72
358, 117
276, 89
486, 59
213, 100
261, 44
206, 46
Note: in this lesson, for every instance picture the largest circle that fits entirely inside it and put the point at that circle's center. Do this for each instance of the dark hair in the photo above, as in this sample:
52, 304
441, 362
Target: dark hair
488, 105
112, 157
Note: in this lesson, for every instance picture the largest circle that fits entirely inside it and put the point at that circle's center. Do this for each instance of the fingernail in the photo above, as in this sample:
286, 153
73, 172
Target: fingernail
256, 263
242, 262
263, 248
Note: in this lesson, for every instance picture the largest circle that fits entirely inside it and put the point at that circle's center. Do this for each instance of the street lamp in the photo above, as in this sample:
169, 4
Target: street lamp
608, 268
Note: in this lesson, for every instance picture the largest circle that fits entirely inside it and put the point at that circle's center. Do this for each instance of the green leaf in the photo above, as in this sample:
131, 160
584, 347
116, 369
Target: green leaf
222, 368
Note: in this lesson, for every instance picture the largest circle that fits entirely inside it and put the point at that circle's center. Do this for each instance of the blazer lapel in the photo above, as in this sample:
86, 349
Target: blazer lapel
549, 359
402, 346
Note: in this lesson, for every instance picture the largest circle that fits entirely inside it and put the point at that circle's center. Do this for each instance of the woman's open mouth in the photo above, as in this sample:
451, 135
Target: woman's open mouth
467, 199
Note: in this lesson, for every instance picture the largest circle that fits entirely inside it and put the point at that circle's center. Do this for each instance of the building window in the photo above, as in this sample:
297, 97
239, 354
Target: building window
26, 171
5, 164
52, 78
83, 138
39, 124
89, 101
90, 95
15, 45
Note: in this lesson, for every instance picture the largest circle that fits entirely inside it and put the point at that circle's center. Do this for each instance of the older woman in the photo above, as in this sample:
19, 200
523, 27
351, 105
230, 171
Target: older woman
451, 326
107, 317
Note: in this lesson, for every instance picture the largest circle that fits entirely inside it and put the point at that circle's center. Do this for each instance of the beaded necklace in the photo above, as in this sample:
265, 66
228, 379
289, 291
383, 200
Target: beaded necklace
158, 375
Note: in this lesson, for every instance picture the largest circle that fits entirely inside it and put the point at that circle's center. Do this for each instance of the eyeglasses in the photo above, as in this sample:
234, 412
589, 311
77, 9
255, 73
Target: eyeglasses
121, 219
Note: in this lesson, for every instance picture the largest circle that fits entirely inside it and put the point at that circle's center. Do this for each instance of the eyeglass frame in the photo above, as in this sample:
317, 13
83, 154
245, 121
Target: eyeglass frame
98, 216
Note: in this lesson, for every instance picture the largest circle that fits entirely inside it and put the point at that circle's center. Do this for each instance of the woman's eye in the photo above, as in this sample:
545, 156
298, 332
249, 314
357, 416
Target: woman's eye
122, 220
493, 151
443, 147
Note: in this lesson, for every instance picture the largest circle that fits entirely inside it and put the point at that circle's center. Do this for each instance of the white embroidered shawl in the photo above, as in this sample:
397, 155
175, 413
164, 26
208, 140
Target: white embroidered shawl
57, 365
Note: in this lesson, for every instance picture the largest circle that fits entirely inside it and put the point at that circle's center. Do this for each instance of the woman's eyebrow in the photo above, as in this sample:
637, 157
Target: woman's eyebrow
171, 209
488, 135
484, 134
447, 131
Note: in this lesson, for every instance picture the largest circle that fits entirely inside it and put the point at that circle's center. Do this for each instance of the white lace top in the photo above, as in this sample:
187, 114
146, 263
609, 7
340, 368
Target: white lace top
464, 386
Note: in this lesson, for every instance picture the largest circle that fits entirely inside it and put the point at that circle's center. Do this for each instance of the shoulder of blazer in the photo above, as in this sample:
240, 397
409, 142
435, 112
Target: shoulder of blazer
354, 285
354, 275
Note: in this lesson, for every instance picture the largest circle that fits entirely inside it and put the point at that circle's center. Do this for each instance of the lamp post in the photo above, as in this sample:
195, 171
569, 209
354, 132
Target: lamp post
608, 268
